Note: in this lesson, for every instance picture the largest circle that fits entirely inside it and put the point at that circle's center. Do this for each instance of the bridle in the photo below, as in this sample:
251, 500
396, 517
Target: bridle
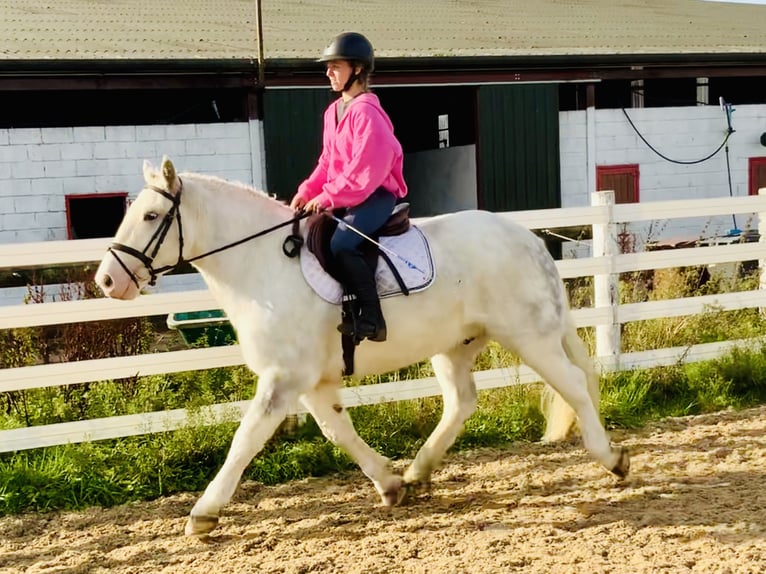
158, 237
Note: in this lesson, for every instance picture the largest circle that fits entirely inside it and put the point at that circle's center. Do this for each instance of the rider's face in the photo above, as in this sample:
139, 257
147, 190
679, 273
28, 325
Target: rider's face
338, 72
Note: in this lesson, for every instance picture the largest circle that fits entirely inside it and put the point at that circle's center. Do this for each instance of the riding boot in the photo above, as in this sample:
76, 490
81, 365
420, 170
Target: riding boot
359, 279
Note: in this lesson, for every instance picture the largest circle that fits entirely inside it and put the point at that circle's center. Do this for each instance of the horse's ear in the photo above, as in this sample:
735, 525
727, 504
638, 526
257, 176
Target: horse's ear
149, 171
169, 174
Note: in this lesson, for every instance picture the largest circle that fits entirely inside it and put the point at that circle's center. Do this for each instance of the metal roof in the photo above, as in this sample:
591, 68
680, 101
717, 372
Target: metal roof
79, 30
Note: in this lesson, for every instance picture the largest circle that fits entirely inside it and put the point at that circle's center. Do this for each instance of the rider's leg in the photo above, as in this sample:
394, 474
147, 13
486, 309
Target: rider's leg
356, 274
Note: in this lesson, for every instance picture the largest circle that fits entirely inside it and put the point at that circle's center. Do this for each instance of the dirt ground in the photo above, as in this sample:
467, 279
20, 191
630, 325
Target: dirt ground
695, 502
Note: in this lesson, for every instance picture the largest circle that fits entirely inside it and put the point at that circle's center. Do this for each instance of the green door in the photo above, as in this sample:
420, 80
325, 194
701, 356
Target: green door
518, 147
292, 127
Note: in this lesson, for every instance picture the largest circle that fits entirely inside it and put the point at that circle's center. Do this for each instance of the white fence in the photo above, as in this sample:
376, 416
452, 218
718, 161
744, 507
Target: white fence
606, 316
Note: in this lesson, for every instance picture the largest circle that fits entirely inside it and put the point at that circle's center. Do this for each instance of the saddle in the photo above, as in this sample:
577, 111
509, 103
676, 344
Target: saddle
320, 230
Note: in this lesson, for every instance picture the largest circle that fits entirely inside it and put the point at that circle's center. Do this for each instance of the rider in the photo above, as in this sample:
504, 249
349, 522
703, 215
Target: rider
360, 169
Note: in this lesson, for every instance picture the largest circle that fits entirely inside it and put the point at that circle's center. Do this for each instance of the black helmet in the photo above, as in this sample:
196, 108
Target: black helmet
350, 46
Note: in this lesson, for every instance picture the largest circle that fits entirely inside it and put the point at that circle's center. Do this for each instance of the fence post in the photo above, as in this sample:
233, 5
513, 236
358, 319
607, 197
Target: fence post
605, 287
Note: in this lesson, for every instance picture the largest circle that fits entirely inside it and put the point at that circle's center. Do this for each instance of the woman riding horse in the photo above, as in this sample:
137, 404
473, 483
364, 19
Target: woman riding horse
360, 169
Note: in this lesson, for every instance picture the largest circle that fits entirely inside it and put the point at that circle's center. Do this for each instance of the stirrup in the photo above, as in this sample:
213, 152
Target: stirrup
351, 329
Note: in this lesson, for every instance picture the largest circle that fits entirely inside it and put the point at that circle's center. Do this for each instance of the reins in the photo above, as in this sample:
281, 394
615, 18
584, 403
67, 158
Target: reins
162, 231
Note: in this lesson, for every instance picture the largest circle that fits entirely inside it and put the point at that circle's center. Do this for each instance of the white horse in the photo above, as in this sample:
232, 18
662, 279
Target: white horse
494, 281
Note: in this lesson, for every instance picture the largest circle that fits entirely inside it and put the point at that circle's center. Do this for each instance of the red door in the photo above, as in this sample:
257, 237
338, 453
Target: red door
757, 170
622, 179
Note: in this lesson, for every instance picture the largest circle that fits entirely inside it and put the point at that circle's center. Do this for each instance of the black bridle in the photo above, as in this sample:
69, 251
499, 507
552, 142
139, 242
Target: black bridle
155, 242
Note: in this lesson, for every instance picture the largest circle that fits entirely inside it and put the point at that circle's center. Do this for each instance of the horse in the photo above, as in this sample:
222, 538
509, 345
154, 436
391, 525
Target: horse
495, 280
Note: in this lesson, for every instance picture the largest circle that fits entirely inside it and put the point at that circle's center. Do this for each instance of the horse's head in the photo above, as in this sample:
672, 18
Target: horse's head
149, 241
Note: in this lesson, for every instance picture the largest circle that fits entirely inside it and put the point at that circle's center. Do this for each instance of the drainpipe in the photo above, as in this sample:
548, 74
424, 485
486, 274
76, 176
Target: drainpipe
255, 111
590, 137
259, 32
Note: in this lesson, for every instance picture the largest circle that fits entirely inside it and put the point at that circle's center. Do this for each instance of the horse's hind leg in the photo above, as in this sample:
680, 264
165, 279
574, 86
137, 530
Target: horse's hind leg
546, 355
323, 402
453, 372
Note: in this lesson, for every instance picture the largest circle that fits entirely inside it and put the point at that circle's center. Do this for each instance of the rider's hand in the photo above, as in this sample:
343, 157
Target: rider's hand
297, 203
313, 206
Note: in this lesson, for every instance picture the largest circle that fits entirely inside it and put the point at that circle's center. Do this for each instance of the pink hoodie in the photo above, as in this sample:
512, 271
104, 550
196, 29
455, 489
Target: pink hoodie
359, 154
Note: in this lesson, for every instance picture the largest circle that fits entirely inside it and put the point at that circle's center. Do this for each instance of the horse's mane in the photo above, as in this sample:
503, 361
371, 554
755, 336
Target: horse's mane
227, 185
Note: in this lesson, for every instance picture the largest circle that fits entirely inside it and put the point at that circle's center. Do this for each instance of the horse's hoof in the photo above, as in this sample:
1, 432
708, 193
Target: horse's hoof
395, 494
622, 468
418, 488
200, 526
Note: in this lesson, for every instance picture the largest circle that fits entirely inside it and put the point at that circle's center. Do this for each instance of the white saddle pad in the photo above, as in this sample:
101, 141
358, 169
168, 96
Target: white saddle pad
417, 272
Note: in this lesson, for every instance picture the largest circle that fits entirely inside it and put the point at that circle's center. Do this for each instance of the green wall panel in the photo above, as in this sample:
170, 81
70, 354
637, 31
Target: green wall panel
292, 125
518, 147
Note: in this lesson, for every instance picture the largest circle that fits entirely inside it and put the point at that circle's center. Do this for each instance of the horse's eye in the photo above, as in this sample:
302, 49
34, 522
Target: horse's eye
151, 216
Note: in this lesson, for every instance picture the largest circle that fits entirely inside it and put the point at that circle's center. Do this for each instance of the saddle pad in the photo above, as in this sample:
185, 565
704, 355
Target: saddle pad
411, 245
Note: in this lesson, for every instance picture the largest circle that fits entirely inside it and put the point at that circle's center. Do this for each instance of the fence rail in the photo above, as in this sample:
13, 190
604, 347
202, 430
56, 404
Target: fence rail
607, 316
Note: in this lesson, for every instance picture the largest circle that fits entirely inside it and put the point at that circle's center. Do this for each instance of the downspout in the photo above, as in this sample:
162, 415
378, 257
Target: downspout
259, 32
255, 120
590, 138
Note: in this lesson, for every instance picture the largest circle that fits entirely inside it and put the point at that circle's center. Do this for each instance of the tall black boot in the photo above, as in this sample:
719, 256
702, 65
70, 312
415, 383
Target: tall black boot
359, 279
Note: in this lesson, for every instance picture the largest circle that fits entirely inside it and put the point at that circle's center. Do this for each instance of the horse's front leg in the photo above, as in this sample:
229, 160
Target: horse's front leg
277, 390
323, 402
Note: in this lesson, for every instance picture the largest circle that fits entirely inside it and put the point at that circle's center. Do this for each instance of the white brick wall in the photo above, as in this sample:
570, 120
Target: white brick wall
39, 166
682, 133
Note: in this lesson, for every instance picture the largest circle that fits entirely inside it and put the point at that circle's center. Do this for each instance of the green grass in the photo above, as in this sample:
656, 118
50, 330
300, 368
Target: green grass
110, 472
631, 398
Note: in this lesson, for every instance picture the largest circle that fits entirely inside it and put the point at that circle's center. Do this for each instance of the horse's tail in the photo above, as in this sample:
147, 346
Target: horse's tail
560, 417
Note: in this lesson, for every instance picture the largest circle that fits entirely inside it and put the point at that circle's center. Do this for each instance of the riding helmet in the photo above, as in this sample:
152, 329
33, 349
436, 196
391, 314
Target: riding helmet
350, 46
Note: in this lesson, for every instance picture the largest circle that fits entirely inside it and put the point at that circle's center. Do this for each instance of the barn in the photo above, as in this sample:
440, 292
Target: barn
499, 105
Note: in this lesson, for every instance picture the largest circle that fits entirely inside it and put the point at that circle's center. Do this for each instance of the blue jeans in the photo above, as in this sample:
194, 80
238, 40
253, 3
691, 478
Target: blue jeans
367, 217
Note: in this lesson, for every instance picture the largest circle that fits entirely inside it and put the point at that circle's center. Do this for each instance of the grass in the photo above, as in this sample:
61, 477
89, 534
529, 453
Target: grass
111, 472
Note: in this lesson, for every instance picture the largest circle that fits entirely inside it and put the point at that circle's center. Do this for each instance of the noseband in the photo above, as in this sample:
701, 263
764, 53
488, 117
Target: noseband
155, 242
